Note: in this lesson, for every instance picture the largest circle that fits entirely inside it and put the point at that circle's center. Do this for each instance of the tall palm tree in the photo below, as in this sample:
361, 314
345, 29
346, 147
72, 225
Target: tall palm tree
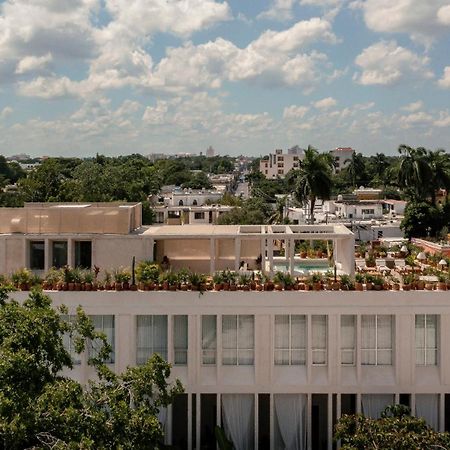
356, 168
380, 167
313, 179
414, 172
439, 166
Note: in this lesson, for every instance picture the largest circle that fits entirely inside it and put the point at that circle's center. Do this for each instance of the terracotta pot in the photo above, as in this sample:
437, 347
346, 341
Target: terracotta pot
335, 286
358, 286
173, 287
420, 285
126, 286
406, 287
246, 287
278, 287
317, 286
442, 286
396, 286
141, 286
226, 286
429, 286
184, 287
303, 254
218, 286
253, 285
118, 286
377, 287
233, 287
259, 287
133, 287
369, 286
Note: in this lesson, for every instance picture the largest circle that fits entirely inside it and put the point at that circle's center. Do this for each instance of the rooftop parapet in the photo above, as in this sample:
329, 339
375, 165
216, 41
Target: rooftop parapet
62, 218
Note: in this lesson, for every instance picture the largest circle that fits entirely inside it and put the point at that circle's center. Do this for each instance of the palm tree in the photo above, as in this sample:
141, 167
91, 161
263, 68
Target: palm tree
313, 179
356, 168
278, 213
414, 172
439, 166
380, 168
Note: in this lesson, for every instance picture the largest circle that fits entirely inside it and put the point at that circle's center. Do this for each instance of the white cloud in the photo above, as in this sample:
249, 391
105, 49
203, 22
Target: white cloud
443, 121
180, 17
444, 82
295, 112
413, 107
416, 119
49, 88
6, 112
33, 63
421, 19
325, 103
443, 15
280, 10
386, 63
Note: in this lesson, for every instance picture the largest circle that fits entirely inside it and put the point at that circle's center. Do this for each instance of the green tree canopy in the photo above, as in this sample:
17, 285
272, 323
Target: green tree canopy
395, 430
313, 179
40, 408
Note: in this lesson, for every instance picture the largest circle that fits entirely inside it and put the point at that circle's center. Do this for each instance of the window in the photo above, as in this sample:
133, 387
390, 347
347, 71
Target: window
180, 339
199, 215
280, 165
281, 158
37, 255
376, 340
151, 337
319, 340
209, 340
69, 341
426, 339
280, 171
238, 340
59, 254
83, 254
348, 340
290, 340
194, 203
368, 211
103, 324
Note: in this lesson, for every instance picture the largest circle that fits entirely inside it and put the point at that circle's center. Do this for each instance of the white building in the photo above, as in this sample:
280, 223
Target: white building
190, 197
275, 369
189, 215
354, 209
342, 157
278, 164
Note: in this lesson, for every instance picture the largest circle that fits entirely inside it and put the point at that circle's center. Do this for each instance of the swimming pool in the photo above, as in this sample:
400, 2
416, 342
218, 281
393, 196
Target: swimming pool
303, 267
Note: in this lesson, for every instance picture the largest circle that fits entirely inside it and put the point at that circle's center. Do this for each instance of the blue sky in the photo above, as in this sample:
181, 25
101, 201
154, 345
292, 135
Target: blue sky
164, 76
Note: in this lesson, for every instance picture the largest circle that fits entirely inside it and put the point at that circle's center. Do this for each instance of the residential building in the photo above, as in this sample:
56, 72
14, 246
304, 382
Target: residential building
278, 164
342, 157
275, 369
189, 215
210, 152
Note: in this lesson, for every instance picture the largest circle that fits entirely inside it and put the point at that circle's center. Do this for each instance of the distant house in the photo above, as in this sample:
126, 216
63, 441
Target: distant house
342, 157
278, 164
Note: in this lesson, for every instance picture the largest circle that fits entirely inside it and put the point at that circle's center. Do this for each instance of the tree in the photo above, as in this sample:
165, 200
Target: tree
421, 219
40, 408
313, 179
439, 167
395, 430
414, 172
356, 169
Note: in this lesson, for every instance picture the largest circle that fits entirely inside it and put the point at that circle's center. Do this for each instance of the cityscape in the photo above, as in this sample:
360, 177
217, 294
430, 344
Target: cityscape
224, 225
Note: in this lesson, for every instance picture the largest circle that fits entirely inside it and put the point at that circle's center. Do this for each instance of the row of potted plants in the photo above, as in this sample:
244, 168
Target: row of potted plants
149, 276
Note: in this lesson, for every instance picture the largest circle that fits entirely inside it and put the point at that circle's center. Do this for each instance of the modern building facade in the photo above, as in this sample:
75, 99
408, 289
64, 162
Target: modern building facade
278, 164
342, 157
275, 369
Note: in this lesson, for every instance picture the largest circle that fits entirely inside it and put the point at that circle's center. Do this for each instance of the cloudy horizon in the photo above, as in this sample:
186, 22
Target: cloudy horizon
79, 77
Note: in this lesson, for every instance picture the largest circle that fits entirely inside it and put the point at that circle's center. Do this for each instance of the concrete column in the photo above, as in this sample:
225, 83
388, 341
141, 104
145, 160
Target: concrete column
441, 403
330, 421
71, 252
237, 253
291, 256
256, 416
151, 243
338, 414
212, 254
271, 422
189, 421
270, 255
170, 353
47, 258
197, 422
219, 350
309, 422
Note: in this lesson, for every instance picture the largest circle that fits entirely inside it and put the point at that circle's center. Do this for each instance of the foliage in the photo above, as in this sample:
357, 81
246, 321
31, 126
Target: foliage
313, 179
40, 408
253, 211
222, 441
147, 271
395, 430
421, 219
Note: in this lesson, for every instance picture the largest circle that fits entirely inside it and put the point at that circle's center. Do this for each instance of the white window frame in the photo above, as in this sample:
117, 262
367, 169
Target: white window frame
425, 349
319, 350
238, 349
349, 350
151, 348
209, 353
290, 347
180, 354
377, 349
68, 340
91, 350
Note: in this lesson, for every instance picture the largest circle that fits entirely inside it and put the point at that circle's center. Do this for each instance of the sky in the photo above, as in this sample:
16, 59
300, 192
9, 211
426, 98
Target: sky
80, 77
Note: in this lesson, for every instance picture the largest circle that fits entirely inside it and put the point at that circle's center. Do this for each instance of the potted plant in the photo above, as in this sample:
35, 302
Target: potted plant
359, 280
197, 281
147, 273
370, 260
21, 278
378, 283
52, 278
316, 280
347, 283
442, 281
76, 278
218, 281
278, 280
368, 278
88, 280
407, 280
122, 277
107, 280
244, 282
